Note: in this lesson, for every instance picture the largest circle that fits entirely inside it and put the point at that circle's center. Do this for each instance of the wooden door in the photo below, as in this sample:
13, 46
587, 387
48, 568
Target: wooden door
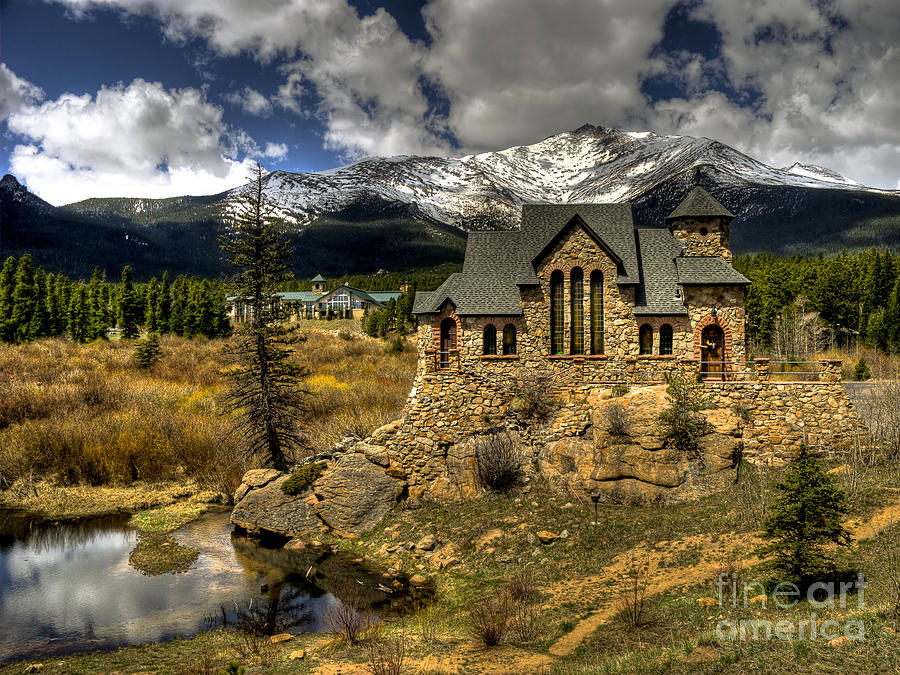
712, 352
448, 341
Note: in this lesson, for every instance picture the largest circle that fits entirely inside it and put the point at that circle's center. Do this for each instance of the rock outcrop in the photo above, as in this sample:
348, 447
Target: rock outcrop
633, 463
351, 496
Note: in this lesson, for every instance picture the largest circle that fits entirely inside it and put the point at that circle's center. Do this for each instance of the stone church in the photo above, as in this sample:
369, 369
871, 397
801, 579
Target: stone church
579, 282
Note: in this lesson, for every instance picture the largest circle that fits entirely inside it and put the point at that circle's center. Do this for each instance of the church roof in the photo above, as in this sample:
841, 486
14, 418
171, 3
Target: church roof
499, 263
699, 204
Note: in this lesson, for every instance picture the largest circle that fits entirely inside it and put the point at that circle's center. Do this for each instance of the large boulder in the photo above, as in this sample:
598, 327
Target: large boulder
630, 460
350, 497
354, 494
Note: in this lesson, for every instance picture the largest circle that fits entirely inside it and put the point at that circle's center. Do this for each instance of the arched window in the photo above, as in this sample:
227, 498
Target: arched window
597, 312
576, 291
490, 339
448, 340
509, 340
646, 339
557, 308
665, 340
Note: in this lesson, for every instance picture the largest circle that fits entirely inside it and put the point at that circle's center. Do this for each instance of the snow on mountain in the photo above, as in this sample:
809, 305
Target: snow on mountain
590, 164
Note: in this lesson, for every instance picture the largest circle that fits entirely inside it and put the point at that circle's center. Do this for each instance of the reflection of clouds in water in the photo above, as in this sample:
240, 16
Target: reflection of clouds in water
67, 592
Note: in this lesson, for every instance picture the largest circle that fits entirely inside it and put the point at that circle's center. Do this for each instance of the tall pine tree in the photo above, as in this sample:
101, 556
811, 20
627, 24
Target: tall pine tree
265, 388
129, 305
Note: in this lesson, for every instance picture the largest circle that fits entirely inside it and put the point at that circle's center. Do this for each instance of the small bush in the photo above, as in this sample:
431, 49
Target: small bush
619, 390
682, 424
147, 351
525, 606
632, 601
861, 370
387, 652
397, 346
489, 618
348, 616
617, 421
533, 396
345, 334
498, 460
302, 478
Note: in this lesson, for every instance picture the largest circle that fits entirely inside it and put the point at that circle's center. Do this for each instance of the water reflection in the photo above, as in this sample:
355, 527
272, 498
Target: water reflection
68, 587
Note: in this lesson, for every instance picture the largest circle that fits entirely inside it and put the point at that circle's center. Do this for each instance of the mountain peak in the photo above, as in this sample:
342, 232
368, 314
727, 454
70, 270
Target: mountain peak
9, 182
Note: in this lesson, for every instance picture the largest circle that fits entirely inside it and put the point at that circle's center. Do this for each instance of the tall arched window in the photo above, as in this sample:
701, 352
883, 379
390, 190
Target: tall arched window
645, 337
490, 340
665, 340
557, 309
576, 291
597, 312
448, 340
509, 340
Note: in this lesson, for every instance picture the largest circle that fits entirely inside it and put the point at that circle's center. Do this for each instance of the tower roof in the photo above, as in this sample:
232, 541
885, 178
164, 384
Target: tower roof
318, 277
699, 204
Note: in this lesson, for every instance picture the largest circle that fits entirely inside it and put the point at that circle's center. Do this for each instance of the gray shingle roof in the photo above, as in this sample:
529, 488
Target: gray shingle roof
699, 203
658, 292
497, 264
708, 271
318, 277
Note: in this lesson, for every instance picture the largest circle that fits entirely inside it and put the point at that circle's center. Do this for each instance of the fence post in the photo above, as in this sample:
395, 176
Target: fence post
831, 370
762, 370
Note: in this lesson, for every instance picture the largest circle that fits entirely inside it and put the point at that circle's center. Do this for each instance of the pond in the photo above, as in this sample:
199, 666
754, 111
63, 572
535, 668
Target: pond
69, 587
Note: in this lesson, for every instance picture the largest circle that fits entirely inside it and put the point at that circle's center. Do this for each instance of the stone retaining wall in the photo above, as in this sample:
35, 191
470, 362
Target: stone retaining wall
432, 445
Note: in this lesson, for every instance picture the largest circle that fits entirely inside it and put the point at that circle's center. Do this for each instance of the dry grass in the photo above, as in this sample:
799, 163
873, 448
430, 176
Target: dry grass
74, 415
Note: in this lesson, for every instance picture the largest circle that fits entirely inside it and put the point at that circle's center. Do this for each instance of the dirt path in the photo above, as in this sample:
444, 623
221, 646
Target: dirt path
607, 586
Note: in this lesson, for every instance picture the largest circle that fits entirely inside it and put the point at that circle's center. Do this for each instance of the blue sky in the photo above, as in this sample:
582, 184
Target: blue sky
168, 97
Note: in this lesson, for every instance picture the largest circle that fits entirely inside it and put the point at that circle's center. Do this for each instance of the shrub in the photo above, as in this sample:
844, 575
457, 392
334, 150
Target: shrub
302, 478
387, 652
533, 396
147, 351
489, 618
498, 460
617, 421
682, 425
525, 606
807, 516
861, 370
397, 345
348, 616
633, 599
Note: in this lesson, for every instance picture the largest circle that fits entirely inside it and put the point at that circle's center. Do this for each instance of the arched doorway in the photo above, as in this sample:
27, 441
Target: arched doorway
712, 352
448, 340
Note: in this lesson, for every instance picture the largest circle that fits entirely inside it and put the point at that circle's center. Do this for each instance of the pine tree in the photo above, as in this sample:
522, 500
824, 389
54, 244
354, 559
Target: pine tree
151, 306
39, 326
23, 300
98, 325
164, 308
265, 388
78, 321
147, 351
129, 305
7, 285
806, 517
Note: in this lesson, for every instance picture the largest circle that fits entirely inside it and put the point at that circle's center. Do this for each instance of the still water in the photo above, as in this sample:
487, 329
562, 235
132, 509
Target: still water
69, 587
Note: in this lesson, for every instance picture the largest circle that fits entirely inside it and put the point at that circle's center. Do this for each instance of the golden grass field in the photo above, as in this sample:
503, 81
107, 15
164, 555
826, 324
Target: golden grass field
85, 415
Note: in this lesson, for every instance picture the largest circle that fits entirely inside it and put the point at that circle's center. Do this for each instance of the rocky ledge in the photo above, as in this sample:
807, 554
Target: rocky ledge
354, 491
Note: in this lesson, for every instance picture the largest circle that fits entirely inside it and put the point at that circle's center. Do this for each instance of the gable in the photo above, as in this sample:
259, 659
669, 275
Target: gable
566, 233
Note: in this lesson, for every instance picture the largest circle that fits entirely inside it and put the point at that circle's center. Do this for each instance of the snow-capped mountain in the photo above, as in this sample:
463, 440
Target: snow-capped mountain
590, 164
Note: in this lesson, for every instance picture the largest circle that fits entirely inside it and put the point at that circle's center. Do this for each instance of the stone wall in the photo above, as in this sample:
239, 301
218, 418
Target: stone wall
714, 243
432, 446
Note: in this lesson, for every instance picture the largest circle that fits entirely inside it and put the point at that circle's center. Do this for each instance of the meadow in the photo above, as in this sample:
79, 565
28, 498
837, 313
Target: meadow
74, 416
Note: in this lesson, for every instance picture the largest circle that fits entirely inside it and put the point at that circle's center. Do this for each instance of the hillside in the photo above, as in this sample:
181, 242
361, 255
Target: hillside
409, 211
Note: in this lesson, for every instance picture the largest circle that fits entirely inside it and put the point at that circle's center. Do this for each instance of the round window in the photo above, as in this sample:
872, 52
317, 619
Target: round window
703, 231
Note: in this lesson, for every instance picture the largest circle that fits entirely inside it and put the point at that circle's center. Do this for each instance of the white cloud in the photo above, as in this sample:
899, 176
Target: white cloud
516, 72
15, 93
250, 101
275, 150
828, 79
823, 76
137, 140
